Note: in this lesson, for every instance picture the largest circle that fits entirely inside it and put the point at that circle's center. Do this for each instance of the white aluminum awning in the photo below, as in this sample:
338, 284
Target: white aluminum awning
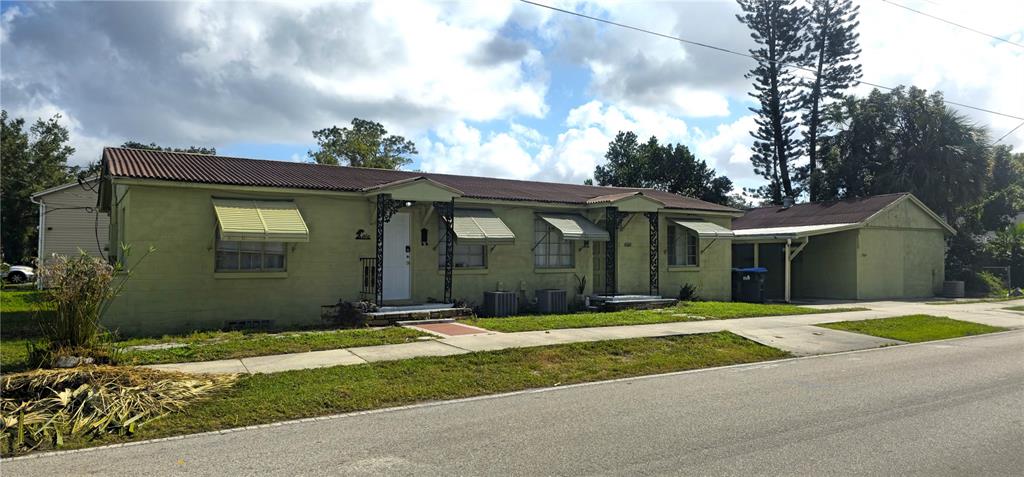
704, 229
481, 226
769, 234
575, 227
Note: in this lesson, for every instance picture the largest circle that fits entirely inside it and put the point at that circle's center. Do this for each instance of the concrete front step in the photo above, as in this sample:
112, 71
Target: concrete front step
384, 318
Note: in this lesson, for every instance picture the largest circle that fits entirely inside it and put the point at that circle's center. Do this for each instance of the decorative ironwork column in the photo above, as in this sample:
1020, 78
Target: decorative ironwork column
447, 212
652, 218
386, 207
612, 225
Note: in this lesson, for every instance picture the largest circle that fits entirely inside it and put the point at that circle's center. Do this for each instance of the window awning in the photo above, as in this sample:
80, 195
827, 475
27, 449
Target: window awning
481, 227
260, 221
576, 227
704, 229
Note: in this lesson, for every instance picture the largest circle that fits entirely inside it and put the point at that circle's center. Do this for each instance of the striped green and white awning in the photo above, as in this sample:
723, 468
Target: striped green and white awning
260, 221
575, 227
704, 229
481, 226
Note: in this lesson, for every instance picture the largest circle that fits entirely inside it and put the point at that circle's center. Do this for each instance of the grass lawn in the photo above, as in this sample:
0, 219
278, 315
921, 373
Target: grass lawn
685, 311
211, 345
1015, 308
20, 312
265, 398
914, 328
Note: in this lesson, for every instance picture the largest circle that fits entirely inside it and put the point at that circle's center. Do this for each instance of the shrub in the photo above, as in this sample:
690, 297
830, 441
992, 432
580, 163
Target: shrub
688, 292
993, 285
81, 289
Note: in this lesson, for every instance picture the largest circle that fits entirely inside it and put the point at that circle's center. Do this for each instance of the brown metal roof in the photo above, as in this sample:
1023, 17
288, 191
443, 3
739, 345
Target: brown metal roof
207, 169
848, 211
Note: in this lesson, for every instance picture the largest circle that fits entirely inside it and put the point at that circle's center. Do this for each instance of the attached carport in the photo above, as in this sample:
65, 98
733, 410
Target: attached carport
889, 246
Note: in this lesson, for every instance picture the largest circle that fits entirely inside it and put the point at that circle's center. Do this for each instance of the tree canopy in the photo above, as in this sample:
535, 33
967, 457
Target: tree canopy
832, 50
905, 140
154, 147
776, 27
667, 167
365, 144
33, 160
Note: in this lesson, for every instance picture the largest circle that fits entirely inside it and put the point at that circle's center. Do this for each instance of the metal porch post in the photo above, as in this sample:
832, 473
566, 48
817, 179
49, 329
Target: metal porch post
385, 209
652, 218
447, 212
612, 225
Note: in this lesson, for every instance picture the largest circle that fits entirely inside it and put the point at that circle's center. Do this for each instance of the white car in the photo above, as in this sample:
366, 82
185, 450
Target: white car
18, 274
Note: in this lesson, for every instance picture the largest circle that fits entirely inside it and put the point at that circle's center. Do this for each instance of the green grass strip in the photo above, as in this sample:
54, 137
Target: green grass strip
274, 397
685, 311
914, 328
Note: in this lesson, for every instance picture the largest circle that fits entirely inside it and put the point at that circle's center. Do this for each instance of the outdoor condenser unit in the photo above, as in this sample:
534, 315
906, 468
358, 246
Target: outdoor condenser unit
500, 303
552, 300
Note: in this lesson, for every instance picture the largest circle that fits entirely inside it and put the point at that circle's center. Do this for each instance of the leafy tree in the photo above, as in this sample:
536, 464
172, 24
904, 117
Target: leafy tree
33, 160
905, 141
1005, 194
775, 25
154, 147
832, 50
366, 144
667, 167
1007, 249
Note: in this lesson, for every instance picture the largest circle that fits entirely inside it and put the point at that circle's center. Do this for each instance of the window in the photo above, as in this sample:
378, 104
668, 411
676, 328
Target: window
235, 256
550, 249
683, 247
464, 256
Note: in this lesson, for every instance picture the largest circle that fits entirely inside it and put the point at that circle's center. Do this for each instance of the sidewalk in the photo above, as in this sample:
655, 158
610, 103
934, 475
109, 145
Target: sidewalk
794, 333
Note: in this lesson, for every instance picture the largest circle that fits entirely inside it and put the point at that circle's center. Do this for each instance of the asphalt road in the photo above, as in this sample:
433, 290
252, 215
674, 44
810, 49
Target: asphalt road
949, 408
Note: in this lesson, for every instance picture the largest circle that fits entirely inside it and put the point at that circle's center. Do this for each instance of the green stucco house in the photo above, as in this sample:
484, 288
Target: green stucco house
882, 247
244, 241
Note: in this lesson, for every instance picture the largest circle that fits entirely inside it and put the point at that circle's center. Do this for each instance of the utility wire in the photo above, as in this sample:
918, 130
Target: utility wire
746, 55
1009, 133
943, 20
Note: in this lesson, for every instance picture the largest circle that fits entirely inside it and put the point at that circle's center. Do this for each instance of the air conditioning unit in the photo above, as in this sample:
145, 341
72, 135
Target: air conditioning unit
552, 300
500, 303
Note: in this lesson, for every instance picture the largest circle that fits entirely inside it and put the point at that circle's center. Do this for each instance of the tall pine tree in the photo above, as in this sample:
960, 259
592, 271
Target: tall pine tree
832, 51
776, 26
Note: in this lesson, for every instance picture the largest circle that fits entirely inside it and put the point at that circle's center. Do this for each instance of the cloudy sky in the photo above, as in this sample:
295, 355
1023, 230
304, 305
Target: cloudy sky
485, 88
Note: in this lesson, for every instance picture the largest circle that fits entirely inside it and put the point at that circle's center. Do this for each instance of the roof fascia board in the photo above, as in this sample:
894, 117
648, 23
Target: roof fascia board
395, 186
533, 204
62, 187
234, 188
761, 238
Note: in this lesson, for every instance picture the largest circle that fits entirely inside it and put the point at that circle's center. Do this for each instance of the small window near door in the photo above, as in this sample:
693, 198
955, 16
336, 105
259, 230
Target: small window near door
233, 256
551, 250
683, 247
464, 256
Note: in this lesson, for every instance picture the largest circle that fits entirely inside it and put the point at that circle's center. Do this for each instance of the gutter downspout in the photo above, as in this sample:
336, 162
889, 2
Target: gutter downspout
40, 239
789, 245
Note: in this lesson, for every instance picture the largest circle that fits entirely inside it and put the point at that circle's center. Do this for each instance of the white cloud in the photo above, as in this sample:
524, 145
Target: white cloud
571, 158
223, 72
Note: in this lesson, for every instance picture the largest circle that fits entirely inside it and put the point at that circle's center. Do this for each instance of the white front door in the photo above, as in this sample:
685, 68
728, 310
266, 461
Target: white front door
397, 258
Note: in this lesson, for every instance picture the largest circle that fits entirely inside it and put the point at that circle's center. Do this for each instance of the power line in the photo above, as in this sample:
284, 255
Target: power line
737, 53
1009, 133
943, 20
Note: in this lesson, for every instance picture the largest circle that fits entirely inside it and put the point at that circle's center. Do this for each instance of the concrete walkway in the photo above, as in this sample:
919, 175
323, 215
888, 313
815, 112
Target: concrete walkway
795, 334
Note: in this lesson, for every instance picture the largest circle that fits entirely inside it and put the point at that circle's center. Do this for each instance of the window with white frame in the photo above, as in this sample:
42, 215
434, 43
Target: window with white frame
464, 256
683, 247
550, 249
233, 256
